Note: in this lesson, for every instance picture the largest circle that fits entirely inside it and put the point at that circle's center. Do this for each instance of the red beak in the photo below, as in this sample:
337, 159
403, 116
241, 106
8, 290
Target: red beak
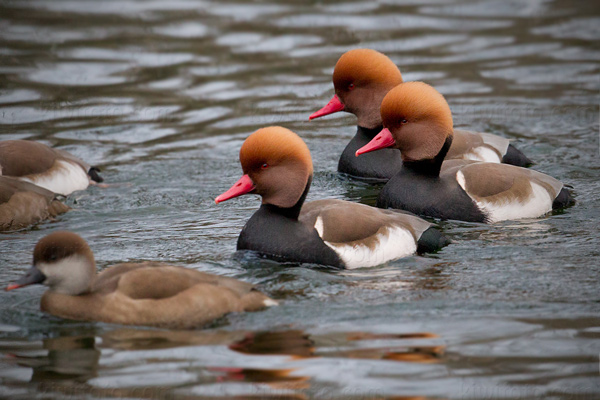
333, 106
243, 186
381, 141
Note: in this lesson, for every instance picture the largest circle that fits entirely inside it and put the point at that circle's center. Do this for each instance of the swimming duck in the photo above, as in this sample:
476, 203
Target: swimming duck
23, 204
362, 78
56, 170
418, 122
278, 167
147, 293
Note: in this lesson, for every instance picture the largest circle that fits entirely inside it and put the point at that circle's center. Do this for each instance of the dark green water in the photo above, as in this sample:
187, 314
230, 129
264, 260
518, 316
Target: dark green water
161, 94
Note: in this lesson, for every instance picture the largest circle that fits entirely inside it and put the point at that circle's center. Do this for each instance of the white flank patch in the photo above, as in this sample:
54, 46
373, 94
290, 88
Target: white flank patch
460, 178
63, 178
393, 243
498, 142
270, 303
538, 204
319, 226
483, 153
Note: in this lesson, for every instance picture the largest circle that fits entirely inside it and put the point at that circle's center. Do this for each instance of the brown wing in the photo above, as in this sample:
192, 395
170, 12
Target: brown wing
154, 280
24, 157
23, 204
345, 222
9, 186
501, 182
464, 141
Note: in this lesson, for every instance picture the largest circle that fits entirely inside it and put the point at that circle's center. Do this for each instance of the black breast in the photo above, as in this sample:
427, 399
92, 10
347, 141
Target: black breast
429, 196
380, 165
273, 234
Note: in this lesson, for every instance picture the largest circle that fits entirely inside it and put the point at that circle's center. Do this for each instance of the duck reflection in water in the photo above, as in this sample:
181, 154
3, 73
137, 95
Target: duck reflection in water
299, 345
69, 358
72, 361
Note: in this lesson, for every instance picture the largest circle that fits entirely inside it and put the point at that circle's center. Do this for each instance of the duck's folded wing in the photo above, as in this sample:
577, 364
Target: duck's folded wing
499, 183
23, 204
477, 146
364, 236
508, 192
155, 280
342, 221
23, 158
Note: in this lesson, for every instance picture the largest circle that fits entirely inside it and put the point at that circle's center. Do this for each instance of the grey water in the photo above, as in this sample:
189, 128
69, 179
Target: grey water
161, 94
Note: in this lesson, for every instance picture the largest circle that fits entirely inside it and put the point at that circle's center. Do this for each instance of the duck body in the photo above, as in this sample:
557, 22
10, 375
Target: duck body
330, 232
147, 293
338, 234
475, 192
156, 294
53, 169
23, 204
431, 196
364, 236
418, 122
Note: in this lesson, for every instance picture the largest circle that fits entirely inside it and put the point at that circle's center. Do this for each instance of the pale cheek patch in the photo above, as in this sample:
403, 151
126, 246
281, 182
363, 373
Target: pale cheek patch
70, 275
389, 243
63, 178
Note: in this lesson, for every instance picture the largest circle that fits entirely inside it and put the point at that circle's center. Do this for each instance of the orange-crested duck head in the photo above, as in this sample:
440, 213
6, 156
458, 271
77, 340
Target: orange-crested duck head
277, 166
416, 119
362, 78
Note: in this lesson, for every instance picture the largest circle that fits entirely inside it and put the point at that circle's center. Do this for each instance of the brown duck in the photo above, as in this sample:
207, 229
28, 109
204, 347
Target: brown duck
53, 169
23, 204
148, 293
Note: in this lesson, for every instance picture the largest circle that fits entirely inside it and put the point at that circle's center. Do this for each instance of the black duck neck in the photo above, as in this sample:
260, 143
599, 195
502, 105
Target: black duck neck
290, 212
430, 167
368, 133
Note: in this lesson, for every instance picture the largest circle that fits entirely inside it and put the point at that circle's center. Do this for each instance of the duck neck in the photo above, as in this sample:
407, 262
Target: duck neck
290, 212
369, 133
430, 167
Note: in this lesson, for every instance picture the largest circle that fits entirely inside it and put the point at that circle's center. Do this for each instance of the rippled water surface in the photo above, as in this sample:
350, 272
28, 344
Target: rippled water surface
161, 94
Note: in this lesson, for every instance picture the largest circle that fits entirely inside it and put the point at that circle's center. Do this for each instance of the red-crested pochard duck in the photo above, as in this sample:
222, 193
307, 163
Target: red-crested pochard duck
278, 167
53, 169
147, 293
418, 122
362, 78
23, 204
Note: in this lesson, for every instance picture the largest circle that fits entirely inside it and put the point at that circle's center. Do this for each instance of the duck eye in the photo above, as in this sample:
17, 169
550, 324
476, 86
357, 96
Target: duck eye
404, 121
52, 257
264, 166
351, 86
